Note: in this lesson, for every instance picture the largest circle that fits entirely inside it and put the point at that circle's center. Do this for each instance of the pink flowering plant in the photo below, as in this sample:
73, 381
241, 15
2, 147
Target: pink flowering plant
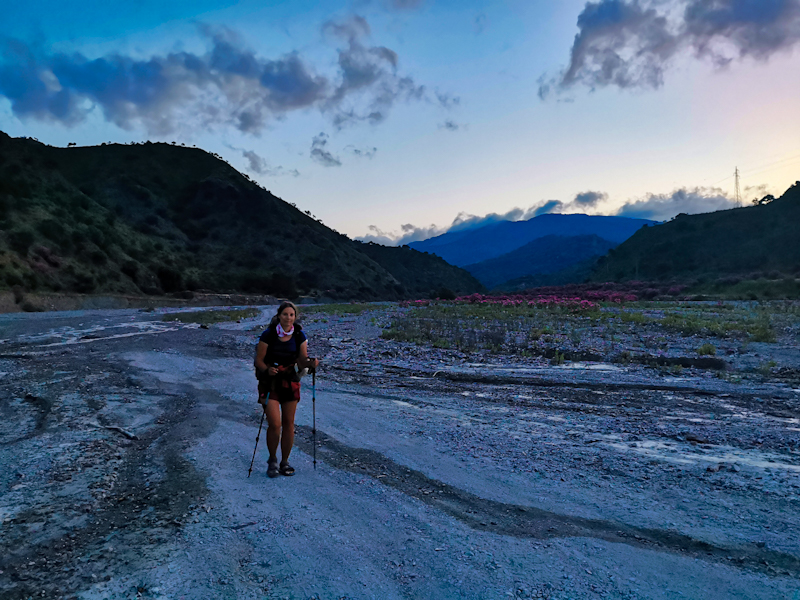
576, 322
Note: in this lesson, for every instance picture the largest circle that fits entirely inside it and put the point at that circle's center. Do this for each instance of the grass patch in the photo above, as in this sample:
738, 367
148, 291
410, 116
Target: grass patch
339, 309
208, 317
634, 317
757, 329
541, 330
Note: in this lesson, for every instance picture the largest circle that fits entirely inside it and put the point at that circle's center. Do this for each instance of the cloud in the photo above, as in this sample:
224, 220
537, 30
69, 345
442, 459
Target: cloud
404, 4
755, 192
658, 207
480, 23
587, 199
661, 207
631, 43
320, 154
549, 207
365, 153
757, 28
368, 76
463, 222
410, 233
450, 125
259, 165
447, 101
227, 86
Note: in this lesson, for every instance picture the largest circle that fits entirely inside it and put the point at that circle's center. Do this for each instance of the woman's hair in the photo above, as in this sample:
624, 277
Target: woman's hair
284, 305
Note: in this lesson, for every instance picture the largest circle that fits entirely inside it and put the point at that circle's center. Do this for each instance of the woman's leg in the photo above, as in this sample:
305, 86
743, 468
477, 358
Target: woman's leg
273, 410
287, 439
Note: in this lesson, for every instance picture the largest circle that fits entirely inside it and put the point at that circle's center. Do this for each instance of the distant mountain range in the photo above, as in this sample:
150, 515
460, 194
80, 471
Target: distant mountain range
545, 255
763, 239
159, 218
462, 248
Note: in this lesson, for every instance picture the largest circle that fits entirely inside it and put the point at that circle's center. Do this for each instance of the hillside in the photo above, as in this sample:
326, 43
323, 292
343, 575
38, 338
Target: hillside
423, 274
463, 248
574, 274
545, 255
158, 218
739, 241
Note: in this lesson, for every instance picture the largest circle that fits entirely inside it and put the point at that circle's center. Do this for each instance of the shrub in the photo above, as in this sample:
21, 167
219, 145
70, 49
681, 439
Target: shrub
21, 239
707, 350
97, 256
84, 283
445, 294
170, 279
52, 229
27, 306
130, 268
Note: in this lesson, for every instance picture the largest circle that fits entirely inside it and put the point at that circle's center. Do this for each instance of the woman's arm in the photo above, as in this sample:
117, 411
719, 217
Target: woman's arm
261, 354
303, 360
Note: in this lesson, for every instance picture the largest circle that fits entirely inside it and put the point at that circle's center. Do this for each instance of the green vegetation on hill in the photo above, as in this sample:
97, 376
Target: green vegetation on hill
423, 274
576, 273
159, 218
756, 240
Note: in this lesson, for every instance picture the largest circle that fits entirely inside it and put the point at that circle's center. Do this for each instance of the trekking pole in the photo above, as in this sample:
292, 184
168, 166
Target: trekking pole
254, 449
314, 414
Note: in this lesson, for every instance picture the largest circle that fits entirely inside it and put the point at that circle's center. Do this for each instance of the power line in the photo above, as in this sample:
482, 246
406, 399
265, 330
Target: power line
764, 167
737, 193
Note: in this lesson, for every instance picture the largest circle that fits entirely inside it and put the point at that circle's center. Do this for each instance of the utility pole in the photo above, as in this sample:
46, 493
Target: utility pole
737, 193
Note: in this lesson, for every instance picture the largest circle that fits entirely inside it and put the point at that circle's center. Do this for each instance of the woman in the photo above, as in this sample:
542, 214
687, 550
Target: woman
282, 346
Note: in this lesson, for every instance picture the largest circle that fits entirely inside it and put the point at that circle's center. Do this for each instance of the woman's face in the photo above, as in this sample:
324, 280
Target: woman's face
286, 318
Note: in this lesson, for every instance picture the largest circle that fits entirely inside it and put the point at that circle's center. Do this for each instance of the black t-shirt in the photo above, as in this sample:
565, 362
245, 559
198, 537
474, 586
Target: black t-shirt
282, 353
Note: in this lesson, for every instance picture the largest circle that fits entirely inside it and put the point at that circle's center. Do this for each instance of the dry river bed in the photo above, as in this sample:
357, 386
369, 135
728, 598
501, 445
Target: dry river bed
125, 442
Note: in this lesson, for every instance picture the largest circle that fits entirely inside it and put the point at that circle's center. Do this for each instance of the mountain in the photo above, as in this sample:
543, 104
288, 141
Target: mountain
544, 255
576, 273
740, 241
463, 248
159, 218
422, 274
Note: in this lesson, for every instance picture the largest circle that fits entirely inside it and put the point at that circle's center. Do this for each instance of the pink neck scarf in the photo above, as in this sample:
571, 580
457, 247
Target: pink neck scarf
282, 333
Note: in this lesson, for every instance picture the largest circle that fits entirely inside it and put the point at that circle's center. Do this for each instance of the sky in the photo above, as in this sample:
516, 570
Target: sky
398, 120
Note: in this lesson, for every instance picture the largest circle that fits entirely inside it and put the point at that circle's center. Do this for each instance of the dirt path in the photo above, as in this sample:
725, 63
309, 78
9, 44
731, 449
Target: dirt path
125, 443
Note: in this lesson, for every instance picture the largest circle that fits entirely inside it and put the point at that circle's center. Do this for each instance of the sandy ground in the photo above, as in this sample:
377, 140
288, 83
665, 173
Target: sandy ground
125, 443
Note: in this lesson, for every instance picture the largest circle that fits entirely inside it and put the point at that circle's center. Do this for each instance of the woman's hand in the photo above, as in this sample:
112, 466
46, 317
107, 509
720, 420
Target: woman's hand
272, 371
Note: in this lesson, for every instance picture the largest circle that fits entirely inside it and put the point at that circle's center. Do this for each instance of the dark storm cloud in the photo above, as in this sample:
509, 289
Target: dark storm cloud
228, 86
630, 44
321, 154
661, 207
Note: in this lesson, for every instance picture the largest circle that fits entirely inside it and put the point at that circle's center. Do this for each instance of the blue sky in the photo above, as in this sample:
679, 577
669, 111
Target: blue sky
400, 119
